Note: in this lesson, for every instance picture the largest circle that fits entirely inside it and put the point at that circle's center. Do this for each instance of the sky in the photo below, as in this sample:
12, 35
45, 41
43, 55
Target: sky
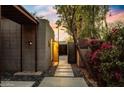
116, 13
48, 12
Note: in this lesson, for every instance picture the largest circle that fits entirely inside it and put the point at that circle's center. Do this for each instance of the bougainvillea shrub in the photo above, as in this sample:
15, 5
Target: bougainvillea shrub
110, 69
107, 58
94, 44
94, 56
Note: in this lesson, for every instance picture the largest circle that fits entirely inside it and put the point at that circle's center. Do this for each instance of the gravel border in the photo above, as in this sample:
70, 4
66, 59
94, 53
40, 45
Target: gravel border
76, 71
79, 73
9, 76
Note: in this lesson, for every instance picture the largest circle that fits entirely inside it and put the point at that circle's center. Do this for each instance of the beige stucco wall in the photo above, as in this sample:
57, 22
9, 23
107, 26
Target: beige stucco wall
83, 53
44, 36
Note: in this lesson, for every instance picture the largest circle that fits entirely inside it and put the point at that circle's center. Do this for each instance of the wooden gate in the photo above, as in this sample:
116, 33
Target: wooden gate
71, 53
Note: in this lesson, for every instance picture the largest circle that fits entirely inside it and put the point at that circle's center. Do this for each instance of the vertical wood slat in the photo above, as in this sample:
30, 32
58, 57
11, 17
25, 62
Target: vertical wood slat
36, 48
10, 45
0, 12
21, 49
0, 37
71, 53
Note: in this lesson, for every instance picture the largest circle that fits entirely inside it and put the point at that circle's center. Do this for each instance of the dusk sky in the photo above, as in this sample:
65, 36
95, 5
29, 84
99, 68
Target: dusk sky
117, 14
49, 13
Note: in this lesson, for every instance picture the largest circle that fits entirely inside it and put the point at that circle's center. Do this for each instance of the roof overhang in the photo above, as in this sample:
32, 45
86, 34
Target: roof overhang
18, 14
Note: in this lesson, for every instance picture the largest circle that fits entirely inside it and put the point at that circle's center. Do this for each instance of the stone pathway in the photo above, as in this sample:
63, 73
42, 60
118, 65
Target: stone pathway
21, 79
63, 77
17, 83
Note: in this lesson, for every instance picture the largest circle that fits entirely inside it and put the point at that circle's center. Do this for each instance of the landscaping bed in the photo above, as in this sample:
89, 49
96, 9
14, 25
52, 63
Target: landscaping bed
9, 76
81, 72
106, 58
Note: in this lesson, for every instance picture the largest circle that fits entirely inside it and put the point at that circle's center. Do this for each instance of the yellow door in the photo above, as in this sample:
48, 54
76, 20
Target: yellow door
55, 52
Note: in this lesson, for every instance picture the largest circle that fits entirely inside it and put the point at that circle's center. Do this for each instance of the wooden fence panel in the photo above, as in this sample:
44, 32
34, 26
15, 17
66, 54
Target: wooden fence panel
71, 53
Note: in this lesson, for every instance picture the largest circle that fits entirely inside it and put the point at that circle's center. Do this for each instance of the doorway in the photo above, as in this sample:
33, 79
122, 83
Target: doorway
62, 49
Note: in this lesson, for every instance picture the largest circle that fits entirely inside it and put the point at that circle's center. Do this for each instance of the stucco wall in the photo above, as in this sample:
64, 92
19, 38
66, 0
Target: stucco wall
44, 36
41, 45
48, 48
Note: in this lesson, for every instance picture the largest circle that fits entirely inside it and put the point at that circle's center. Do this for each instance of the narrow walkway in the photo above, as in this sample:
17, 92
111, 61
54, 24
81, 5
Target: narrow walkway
63, 77
64, 69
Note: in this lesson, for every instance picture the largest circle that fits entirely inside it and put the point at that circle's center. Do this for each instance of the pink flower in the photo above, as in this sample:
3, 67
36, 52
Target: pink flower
95, 54
106, 46
117, 75
114, 30
89, 54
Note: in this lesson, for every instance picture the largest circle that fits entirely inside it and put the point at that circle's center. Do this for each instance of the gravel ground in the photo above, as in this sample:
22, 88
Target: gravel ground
79, 72
9, 76
76, 71
50, 72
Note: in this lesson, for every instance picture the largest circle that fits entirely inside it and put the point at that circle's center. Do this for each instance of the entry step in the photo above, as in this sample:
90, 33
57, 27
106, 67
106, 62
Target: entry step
28, 73
17, 83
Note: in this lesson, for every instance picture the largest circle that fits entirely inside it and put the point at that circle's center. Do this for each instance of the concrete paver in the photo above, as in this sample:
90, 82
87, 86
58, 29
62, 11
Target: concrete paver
28, 73
70, 70
65, 67
63, 82
17, 83
64, 76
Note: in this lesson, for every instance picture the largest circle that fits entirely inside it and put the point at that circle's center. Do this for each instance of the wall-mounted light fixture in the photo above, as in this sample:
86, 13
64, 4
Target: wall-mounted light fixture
30, 42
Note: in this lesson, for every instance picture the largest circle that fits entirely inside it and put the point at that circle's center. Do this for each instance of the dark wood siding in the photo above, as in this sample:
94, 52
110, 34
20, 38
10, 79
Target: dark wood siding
71, 53
10, 45
28, 51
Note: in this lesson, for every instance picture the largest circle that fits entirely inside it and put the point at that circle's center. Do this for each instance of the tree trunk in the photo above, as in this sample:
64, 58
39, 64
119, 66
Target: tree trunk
79, 51
106, 25
93, 21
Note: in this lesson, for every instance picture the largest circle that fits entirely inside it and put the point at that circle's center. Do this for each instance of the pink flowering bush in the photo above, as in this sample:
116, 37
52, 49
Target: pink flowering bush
106, 45
94, 44
107, 58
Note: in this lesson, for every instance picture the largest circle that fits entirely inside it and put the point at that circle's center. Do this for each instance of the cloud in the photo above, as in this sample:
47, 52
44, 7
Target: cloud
49, 13
45, 10
37, 7
116, 17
